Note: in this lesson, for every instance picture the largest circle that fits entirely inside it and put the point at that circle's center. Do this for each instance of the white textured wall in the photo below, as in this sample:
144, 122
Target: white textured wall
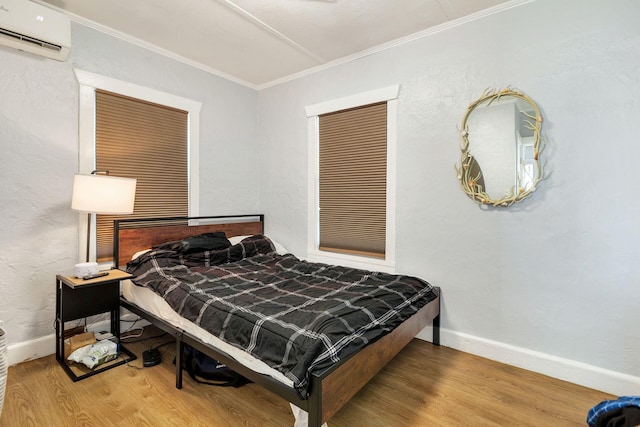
38, 124
39, 140
557, 276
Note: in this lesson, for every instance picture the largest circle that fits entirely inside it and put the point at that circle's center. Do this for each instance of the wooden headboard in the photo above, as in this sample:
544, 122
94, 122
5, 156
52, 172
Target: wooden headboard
133, 235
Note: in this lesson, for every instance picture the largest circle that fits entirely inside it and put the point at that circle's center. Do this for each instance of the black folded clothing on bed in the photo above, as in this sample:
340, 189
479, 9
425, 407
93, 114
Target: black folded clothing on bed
198, 243
296, 316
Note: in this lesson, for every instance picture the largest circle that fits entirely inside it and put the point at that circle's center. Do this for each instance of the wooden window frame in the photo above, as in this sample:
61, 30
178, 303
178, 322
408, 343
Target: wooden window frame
88, 84
388, 95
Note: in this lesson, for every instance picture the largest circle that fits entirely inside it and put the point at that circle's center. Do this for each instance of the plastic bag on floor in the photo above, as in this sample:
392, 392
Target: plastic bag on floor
95, 354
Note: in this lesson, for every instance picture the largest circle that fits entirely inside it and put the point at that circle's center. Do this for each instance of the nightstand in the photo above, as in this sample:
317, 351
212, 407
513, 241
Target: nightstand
78, 298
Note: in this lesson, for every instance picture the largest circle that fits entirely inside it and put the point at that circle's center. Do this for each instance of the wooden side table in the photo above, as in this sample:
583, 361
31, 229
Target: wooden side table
77, 298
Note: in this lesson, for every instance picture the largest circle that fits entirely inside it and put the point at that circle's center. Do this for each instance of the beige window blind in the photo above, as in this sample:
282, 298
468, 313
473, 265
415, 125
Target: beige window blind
147, 141
353, 180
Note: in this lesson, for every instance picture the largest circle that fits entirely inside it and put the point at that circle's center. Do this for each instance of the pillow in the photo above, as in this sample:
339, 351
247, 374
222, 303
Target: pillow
140, 253
199, 243
280, 250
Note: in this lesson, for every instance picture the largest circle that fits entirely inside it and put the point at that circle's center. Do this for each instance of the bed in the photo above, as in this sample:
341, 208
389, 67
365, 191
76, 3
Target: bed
321, 390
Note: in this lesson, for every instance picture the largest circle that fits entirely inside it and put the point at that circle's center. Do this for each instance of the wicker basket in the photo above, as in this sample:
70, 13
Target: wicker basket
4, 363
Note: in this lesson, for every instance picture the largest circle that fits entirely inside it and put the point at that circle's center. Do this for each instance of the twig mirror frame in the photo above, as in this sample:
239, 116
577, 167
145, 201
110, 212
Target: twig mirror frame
470, 177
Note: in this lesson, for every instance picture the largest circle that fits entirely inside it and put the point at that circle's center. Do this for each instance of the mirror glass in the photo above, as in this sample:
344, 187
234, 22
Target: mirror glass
501, 147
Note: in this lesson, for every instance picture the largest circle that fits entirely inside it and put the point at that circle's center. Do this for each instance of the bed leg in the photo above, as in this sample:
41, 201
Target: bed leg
314, 409
314, 419
179, 352
436, 330
436, 320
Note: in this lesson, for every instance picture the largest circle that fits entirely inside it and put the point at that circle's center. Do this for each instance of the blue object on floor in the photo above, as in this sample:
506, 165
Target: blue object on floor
613, 407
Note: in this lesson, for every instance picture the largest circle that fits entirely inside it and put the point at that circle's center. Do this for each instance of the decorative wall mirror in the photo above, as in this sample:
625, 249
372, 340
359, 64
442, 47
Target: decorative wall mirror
501, 146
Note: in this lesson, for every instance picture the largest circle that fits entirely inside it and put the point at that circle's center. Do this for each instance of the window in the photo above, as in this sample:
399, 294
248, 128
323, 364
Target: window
147, 141
141, 133
352, 180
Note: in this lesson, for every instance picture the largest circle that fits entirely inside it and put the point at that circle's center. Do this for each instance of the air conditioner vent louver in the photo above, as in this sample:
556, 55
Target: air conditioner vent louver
27, 39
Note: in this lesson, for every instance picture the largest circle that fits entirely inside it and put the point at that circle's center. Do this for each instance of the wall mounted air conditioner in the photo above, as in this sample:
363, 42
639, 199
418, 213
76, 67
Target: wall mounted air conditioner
33, 28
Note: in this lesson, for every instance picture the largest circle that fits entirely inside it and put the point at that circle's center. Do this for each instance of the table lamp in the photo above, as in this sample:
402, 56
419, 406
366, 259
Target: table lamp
100, 193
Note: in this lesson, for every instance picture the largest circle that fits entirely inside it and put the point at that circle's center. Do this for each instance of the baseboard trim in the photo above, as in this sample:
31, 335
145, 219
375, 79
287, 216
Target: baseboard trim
30, 350
583, 374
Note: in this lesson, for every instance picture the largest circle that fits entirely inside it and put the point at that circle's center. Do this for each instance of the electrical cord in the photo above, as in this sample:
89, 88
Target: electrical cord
131, 333
133, 323
138, 337
130, 365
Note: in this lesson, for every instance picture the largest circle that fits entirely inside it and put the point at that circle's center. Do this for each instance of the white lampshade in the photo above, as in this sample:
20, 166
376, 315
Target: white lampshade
103, 194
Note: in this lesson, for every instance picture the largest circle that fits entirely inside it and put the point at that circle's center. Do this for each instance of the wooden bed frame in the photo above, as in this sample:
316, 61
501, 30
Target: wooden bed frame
330, 389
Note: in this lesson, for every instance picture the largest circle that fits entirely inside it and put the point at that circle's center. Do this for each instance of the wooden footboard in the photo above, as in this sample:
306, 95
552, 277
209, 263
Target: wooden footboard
342, 381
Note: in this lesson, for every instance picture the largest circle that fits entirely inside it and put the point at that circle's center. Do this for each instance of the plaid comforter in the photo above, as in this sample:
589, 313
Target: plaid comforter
296, 316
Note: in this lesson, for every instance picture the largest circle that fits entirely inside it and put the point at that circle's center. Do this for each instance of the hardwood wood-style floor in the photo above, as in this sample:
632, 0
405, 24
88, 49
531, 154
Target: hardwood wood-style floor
423, 386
